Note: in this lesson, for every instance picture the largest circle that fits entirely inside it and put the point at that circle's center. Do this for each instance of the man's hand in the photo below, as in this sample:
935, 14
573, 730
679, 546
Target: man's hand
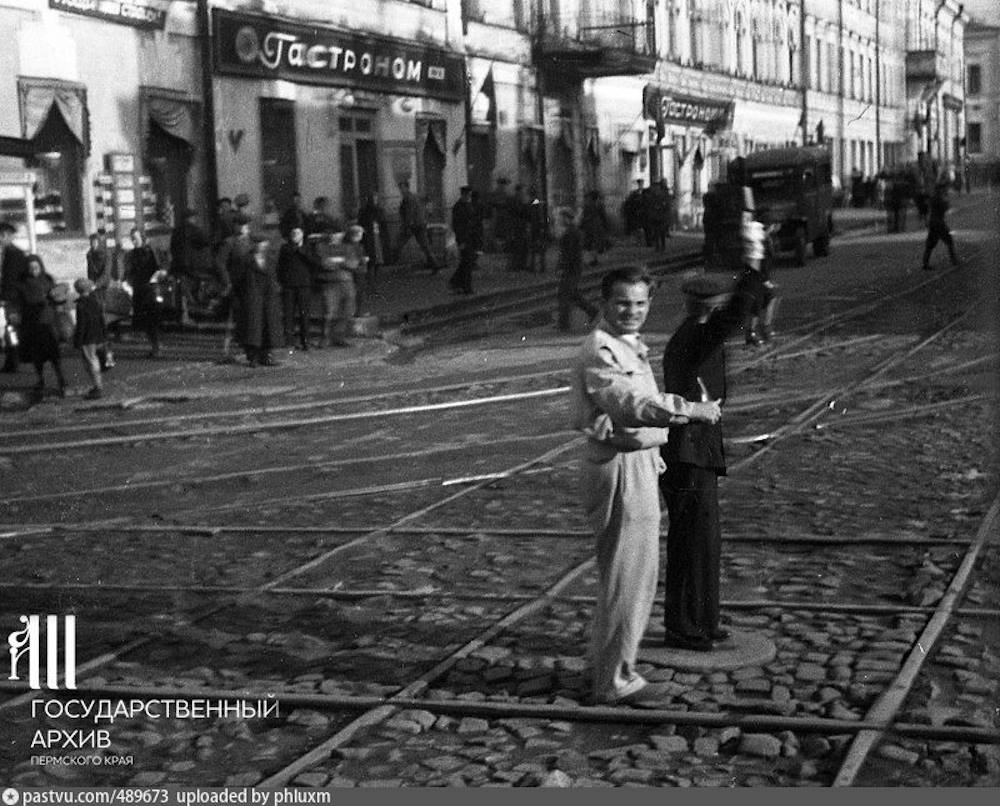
709, 411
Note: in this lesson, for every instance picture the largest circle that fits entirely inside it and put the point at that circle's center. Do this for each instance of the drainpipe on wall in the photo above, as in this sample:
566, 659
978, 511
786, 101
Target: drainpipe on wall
208, 108
804, 58
878, 89
540, 101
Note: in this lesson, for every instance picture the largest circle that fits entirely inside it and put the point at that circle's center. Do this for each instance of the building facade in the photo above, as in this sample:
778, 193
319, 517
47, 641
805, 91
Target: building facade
102, 103
196, 99
982, 92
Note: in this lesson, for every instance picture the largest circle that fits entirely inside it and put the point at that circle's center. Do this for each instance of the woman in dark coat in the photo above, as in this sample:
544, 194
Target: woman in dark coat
594, 226
147, 299
261, 298
39, 331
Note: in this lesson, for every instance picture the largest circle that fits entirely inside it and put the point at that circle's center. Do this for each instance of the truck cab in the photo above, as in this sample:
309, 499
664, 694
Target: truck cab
793, 192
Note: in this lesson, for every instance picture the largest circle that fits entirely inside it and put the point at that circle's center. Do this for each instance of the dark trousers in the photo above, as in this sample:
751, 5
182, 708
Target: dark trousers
419, 234
694, 540
297, 300
461, 280
938, 231
569, 297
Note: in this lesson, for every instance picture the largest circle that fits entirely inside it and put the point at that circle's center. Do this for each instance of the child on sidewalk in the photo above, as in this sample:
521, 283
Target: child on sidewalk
89, 335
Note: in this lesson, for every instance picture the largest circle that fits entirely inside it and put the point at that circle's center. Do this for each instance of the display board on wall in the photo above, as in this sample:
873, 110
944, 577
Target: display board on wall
123, 197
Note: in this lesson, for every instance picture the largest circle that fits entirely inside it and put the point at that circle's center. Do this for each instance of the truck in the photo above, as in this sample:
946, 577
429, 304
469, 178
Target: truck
793, 196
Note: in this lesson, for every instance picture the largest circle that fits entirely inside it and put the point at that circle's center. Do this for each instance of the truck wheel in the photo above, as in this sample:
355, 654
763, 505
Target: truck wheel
800, 246
821, 246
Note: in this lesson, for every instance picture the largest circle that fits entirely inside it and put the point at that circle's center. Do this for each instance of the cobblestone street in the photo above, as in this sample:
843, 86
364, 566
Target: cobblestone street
388, 543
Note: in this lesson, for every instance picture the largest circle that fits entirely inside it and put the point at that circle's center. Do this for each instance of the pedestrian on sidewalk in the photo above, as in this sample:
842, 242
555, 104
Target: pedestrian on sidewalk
569, 295
376, 247
632, 212
13, 270
616, 404
694, 366
413, 215
937, 225
296, 268
467, 224
89, 334
594, 226
519, 235
39, 331
232, 263
146, 279
341, 257
538, 234
261, 301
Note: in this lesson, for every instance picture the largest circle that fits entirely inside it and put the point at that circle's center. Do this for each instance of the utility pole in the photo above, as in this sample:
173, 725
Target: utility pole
540, 101
208, 107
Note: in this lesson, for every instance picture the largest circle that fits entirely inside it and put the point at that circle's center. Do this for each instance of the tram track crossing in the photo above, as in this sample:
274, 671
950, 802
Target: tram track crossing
402, 701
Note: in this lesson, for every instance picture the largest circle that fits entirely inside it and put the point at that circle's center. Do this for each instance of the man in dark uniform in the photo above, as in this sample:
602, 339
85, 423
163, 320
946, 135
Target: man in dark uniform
13, 269
694, 366
467, 223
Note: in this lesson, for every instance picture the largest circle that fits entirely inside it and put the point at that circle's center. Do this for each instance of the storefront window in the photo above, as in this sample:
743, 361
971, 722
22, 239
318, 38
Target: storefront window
54, 125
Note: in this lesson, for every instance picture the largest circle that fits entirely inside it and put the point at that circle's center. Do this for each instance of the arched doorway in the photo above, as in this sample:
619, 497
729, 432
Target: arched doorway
168, 162
432, 164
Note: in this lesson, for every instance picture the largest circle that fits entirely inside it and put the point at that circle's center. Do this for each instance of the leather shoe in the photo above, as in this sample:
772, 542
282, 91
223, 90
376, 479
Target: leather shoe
689, 642
720, 634
651, 695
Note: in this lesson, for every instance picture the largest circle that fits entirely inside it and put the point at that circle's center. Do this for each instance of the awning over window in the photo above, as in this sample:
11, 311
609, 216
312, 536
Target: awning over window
177, 115
38, 96
434, 131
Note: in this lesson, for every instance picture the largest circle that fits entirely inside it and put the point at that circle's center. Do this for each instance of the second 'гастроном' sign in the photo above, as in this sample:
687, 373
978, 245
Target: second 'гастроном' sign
265, 47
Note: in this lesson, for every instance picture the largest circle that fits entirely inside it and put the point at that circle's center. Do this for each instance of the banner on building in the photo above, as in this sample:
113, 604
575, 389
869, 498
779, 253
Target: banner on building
265, 47
687, 110
150, 15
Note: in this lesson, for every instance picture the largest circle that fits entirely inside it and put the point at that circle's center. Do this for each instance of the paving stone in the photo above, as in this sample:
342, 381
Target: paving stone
781, 694
244, 778
894, 752
471, 724
556, 778
814, 745
147, 778
760, 744
811, 672
312, 779
729, 734
837, 710
754, 685
669, 744
630, 775
706, 747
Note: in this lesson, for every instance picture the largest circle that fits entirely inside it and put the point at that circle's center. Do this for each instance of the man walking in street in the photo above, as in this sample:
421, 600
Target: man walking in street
937, 226
616, 404
694, 366
468, 227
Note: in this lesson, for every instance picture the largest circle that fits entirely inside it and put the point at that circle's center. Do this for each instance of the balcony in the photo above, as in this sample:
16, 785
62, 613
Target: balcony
596, 45
925, 65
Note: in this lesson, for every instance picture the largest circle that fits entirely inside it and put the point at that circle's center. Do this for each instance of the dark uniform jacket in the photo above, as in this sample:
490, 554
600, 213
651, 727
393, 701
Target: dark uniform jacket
296, 266
13, 269
142, 266
696, 351
467, 224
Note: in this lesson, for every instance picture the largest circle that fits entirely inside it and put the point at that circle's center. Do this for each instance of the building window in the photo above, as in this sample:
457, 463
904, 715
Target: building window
974, 85
54, 122
974, 138
358, 161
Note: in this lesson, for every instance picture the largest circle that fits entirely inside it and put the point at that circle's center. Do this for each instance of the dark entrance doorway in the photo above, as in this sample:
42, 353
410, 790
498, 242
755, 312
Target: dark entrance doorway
358, 162
278, 157
168, 160
482, 161
433, 167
